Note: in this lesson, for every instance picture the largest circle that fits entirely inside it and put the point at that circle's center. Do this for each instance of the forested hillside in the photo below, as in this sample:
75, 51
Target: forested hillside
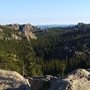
56, 51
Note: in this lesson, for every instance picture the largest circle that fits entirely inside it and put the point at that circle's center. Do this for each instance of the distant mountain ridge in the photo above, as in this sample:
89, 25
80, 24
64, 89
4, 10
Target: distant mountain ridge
53, 25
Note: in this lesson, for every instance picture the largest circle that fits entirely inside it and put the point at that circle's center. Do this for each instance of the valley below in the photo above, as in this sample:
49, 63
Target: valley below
54, 58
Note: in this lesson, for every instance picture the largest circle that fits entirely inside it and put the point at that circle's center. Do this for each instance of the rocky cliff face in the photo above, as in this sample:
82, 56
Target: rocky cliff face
76, 80
13, 26
22, 27
26, 29
10, 80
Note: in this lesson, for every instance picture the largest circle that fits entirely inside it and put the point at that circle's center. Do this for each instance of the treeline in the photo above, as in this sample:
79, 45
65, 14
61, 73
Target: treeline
63, 50
19, 56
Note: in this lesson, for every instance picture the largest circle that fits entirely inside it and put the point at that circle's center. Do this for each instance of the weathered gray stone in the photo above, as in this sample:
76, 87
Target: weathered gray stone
26, 28
11, 80
77, 80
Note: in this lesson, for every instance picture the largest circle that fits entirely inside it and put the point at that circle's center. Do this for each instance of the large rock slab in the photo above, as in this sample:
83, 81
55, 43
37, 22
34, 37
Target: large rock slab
11, 80
76, 80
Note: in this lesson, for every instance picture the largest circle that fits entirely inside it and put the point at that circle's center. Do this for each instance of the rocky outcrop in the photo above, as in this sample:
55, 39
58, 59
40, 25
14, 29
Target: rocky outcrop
23, 27
28, 31
30, 35
13, 26
10, 80
26, 28
1, 30
14, 36
76, 80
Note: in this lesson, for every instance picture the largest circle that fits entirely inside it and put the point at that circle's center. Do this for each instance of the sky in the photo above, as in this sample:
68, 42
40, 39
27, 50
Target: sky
41, 12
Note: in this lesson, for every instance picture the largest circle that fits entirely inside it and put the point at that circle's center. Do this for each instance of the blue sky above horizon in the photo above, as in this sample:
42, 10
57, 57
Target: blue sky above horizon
44, 11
